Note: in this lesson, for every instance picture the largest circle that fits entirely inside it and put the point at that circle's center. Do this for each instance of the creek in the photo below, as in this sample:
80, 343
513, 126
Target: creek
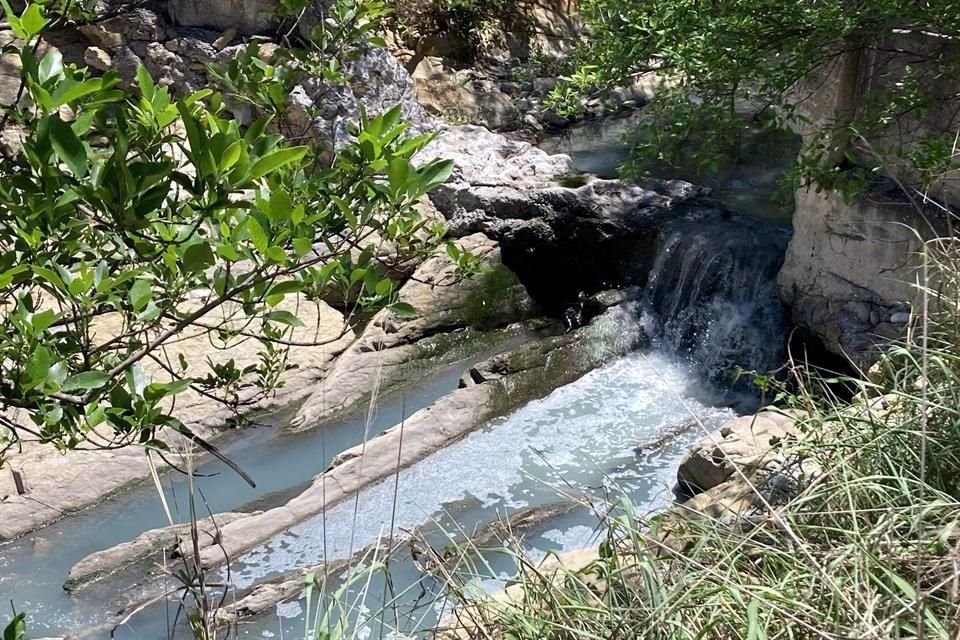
710, 306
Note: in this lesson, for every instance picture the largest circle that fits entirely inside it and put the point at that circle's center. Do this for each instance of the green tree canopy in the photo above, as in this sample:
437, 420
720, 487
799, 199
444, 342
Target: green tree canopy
164, 214
716, 58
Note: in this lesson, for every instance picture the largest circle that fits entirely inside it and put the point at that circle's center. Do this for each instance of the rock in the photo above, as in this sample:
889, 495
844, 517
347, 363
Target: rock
741, 448
531, 121
378, 83
544, 85
246, 16
98, 59
136, 25
268, 52
844, 255
101, 37
393, 350
225, 39
126, 62
562, 234
901, 317
452, 100
152, 544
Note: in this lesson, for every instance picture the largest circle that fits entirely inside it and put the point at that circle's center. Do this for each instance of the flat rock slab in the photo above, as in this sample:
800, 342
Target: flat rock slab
163, 542
392, 351
57, 484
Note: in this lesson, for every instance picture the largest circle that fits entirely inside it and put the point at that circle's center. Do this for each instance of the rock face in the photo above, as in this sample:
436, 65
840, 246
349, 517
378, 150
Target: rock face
850, 269
563, 234
392, 350
848, 272
247, 16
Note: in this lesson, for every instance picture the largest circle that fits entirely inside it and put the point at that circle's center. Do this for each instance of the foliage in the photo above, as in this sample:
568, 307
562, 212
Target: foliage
465, 25
715, 59
153, 216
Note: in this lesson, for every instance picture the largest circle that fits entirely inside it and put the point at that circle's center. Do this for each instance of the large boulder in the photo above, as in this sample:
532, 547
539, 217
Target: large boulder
562, 234
850, 270
452, 313
749, 465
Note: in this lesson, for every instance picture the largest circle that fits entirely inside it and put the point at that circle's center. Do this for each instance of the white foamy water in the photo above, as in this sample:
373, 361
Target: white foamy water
582, 434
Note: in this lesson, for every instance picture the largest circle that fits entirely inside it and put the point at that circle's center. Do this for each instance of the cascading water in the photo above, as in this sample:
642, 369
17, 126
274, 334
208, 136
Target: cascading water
711, 296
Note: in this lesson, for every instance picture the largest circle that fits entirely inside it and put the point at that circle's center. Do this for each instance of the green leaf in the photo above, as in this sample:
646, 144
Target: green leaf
257, 235
284, 317
69, 91
85, 381
17, 629
158, 390
32, 20
403, 310
198, 257
145, 82
67, 146
41, 321
51, 66
435, 174
275, 160
140, 294
38, 367
14, 21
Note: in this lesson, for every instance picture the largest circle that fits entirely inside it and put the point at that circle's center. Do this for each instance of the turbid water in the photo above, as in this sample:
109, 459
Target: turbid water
579, 440
33, 568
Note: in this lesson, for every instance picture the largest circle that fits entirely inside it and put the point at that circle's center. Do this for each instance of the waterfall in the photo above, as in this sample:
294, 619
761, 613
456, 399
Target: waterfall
711, 296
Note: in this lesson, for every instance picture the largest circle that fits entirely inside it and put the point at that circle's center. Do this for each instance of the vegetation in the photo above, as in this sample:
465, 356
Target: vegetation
151, 215
466, 27
717, 61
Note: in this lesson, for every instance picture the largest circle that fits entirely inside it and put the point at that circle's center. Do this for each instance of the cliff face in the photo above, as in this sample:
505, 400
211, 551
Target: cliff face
851, 270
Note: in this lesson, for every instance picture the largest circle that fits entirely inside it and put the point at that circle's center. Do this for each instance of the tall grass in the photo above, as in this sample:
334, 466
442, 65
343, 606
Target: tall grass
868, 547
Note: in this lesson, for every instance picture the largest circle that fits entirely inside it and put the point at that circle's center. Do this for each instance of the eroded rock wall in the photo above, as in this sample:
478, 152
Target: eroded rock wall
851, 270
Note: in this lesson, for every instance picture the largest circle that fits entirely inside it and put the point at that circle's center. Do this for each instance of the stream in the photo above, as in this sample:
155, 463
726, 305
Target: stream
710, 306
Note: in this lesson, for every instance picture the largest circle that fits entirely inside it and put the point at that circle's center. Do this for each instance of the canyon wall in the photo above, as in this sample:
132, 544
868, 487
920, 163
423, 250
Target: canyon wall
851, 270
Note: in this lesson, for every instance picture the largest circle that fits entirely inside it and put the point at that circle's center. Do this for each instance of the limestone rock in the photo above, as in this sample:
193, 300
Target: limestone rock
155, 542
850, 268
393, 350
741, 448
563, 234
247, 16
378, 83
98, 59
